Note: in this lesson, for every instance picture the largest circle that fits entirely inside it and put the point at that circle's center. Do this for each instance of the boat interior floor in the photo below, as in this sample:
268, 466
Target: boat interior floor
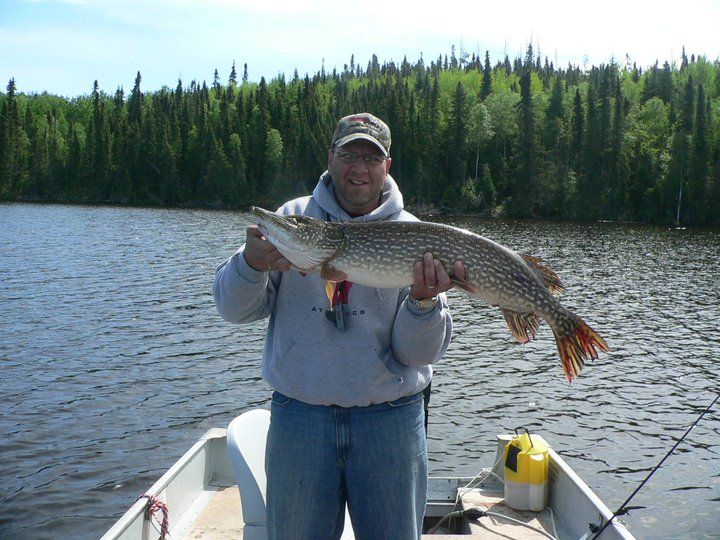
221, 518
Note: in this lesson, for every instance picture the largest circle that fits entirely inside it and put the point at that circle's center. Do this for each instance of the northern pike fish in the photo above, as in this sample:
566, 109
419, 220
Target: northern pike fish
381, 254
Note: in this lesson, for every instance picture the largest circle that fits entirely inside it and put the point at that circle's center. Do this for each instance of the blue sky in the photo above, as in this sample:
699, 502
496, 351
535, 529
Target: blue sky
62, 46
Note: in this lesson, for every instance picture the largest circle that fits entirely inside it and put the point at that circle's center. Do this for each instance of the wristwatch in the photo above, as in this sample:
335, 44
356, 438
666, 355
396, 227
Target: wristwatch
424, 304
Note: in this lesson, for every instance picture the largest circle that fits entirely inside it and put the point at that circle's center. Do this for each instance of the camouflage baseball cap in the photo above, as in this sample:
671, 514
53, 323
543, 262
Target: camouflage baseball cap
362, 126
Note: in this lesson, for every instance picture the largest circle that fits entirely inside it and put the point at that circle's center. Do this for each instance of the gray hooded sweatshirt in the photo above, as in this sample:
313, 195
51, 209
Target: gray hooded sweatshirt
388, 346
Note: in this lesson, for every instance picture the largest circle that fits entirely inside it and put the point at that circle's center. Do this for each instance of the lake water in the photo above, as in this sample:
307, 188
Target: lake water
113, 362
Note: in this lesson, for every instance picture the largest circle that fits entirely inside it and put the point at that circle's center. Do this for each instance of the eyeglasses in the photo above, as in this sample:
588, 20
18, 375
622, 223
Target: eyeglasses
372, 160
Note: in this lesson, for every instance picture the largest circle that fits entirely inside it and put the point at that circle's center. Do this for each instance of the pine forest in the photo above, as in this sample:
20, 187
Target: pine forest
521, 139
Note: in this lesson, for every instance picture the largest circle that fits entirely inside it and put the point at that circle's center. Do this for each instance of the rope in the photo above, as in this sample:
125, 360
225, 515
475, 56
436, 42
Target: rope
153, 505
623, 507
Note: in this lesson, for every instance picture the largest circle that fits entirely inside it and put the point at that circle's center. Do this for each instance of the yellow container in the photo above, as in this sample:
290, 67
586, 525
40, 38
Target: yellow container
526, 473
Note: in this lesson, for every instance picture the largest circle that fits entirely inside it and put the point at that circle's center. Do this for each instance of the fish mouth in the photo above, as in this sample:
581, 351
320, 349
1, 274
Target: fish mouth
270, 222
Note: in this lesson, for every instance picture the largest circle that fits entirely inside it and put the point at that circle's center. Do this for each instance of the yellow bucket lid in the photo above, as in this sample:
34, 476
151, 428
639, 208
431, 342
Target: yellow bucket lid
529, 445
526, 459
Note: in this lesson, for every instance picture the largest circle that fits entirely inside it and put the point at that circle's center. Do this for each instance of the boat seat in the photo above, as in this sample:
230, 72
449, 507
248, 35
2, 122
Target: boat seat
246, 437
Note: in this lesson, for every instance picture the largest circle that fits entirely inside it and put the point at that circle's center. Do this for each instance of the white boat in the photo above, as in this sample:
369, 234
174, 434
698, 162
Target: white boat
202, 493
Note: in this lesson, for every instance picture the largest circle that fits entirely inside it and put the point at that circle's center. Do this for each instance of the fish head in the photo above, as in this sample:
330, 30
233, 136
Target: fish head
304, 241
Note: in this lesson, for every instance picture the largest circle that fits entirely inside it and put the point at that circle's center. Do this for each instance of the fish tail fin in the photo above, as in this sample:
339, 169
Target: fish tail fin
577, 345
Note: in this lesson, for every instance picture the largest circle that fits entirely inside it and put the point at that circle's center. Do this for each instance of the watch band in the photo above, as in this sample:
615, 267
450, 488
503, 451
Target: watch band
424, 304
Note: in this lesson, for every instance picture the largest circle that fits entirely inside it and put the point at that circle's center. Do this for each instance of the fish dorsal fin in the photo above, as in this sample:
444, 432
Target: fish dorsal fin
523, 326
549, 278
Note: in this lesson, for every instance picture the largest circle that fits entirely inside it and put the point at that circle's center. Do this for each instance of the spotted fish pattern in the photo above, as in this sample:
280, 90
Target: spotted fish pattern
381, 254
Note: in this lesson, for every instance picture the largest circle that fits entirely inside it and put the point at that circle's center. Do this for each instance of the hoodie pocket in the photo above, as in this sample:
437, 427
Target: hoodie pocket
316, 373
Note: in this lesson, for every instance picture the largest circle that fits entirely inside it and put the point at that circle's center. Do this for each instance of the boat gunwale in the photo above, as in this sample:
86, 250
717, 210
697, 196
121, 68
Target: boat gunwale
138, 508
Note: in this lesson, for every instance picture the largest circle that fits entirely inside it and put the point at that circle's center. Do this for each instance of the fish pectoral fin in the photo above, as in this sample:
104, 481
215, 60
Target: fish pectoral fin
329, 273
465, 285
523, 326
548, 277
303, 261
330, 287
305, 271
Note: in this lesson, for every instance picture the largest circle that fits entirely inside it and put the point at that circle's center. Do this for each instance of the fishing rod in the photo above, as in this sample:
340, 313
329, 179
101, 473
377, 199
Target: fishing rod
623, 509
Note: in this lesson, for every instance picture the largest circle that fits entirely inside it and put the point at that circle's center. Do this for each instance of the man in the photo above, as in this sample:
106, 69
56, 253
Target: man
347, 411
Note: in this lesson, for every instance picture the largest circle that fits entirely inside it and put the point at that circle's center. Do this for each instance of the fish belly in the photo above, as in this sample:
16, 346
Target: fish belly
371, 276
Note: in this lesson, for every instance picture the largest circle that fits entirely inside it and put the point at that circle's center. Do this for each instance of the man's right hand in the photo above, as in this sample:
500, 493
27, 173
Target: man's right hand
261, 254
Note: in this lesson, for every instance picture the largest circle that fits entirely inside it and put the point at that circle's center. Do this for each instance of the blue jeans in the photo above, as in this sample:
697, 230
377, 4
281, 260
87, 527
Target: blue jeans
320, 458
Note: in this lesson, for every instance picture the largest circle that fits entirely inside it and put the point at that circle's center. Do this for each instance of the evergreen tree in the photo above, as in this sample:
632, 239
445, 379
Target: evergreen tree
713, 207
618, 171
486, 88
529, 63
604, 165
554, 115
673, 191
453, 59
525, 198
74, 168
457, 139
40, 164
135, 149
120, 190
216, 81
589, 189
241, 192
97, 175
14, 147
578, 130
651, 84
699, 163
233, 75
259, 127
486, 189
53, 189
665, 84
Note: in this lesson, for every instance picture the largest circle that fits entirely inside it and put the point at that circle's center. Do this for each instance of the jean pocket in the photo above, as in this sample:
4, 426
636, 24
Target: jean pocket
406, 400
280, 399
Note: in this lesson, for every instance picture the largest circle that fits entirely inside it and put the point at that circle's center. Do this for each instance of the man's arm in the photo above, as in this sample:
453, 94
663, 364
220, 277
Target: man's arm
244, 290
421, 334
421, 337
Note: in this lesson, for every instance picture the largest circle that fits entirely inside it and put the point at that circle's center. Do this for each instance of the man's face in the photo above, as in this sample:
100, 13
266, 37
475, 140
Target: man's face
357, 185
